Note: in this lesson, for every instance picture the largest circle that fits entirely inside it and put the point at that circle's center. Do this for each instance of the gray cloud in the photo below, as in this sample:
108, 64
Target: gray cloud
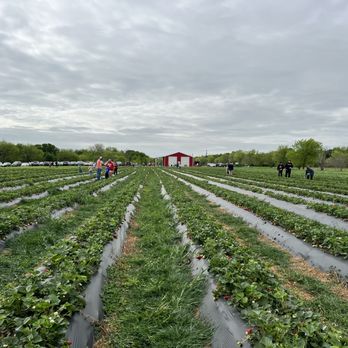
162, 76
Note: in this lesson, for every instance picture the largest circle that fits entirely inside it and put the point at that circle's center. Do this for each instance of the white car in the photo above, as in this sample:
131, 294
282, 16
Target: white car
16, 164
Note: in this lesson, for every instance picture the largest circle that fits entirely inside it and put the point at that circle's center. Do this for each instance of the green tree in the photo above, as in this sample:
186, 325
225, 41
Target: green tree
238, 157
339, 158
307, 152
49, 150
222, 158
67, 155
323, 158
203, 160
281, 154
30, 153
8, 152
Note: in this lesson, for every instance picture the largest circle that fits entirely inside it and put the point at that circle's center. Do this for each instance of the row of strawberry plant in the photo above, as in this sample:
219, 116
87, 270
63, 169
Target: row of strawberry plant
13, 184
24, 252
36, 312
332, 240
10, 185
339, 211
316, 289
38, 188
22, 174
40, 210
335, 182
277, 317
14, 262
334, 185
277, 186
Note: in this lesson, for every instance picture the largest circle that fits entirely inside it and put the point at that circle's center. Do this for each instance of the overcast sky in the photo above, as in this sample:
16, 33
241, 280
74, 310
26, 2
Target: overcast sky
166, 76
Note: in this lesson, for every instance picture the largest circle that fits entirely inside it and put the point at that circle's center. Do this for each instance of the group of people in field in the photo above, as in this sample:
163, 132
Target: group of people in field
309, 173
111, 168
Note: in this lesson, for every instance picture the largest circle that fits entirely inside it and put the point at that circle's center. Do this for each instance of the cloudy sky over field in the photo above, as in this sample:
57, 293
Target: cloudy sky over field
161, 76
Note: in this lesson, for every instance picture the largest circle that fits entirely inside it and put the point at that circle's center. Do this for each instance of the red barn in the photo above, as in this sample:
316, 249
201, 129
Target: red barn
178, 159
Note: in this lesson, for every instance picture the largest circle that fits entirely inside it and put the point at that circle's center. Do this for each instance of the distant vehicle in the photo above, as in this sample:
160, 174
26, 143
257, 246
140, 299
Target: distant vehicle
47, 163
6, 164
35, 163
25, 164
211, 164
41, 164
66, 163
16, 164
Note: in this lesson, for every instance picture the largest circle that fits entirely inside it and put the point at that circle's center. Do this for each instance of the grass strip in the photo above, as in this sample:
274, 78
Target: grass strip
151, 299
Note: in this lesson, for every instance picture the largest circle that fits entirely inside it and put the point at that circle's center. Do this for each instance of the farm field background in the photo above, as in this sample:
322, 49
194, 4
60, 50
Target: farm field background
55, 223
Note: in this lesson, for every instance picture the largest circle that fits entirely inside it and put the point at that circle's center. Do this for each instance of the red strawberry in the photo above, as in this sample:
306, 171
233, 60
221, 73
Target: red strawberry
249, 331
199, 256
227, 297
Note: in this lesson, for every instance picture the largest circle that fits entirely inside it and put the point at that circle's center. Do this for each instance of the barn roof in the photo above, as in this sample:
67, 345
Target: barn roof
178, 153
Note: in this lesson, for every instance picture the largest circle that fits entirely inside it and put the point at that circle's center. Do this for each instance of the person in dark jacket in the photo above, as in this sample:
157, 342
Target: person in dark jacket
229, 168
309, 173
288, 168
280, 168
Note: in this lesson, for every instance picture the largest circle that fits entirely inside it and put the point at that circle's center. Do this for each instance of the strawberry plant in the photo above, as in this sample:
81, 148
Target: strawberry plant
333, 240
277, 318
36, 312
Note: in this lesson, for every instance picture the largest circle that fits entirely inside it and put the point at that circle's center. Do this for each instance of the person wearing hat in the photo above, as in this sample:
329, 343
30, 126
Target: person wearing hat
99, 166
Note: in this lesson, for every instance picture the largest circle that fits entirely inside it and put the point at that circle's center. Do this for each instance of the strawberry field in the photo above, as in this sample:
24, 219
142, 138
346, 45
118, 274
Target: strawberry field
196, 267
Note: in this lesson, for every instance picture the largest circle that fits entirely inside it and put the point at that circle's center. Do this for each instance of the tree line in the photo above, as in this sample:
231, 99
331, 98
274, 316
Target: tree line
48, 152
304, 152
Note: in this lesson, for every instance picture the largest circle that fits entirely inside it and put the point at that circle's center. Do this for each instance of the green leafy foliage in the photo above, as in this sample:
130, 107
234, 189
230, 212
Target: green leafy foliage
36, 312
322, 236
278, 318
39, 211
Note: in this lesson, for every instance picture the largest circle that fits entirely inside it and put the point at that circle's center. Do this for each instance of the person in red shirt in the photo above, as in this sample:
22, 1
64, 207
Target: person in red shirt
111, 166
